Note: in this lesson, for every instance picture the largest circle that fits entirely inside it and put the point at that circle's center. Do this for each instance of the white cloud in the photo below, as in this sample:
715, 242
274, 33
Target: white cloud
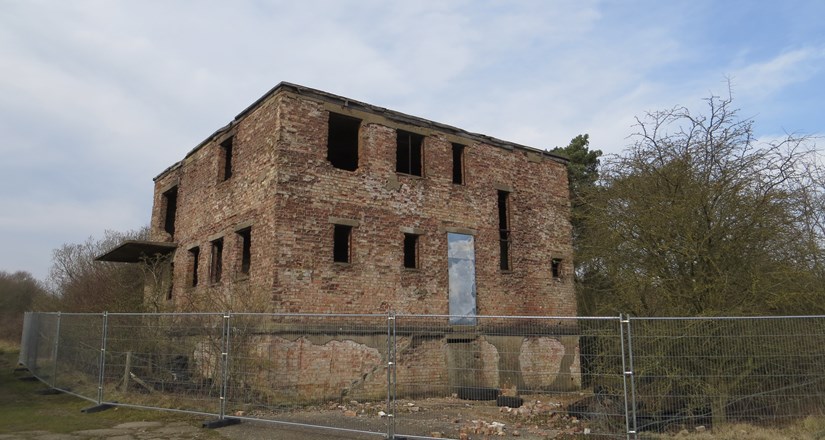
760, 80
100, 96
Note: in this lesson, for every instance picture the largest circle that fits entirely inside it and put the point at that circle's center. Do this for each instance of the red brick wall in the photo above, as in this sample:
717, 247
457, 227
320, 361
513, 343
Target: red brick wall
286, 189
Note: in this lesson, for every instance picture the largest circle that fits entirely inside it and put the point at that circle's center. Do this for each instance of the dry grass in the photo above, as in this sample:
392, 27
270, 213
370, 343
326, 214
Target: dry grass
22, 409
9, 347
810, 428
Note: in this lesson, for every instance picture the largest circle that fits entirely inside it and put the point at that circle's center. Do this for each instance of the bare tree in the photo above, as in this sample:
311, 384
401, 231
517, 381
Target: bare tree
84, 285
19, 292
700, 218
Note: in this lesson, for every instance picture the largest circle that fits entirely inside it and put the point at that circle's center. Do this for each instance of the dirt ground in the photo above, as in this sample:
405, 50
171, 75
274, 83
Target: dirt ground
433, 418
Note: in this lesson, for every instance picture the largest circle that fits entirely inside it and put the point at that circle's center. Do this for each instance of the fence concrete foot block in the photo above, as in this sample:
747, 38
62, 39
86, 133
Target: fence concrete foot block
220, 423
97, 408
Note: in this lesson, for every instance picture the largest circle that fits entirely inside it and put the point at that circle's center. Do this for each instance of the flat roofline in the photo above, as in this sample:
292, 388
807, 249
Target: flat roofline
135, 251
369, 108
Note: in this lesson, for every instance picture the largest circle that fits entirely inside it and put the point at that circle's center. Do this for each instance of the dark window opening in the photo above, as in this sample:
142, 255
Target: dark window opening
341, 243
170, 201
342, 143
226, 158
408, 153
411, 251
216, 265
555, 267
194, 255
458, 164
171, 277
504, 229
246, 249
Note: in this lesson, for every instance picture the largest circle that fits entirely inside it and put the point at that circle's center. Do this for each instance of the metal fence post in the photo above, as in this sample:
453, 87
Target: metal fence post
22, 359
632, 375
627, 374
225, 364
102, 363
391, 378
55, 352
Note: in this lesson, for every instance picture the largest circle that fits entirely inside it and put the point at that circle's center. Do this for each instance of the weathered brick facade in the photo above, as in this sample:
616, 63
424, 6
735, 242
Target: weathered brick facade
287, 196
302, 223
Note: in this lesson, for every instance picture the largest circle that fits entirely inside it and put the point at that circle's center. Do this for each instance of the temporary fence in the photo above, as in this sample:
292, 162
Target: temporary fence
419, 376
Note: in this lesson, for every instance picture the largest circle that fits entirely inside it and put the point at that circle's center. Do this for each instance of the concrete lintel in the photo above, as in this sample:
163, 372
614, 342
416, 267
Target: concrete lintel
465, 231
414, 231
503, 187
344, 221
165, 188
243, 225
224, 136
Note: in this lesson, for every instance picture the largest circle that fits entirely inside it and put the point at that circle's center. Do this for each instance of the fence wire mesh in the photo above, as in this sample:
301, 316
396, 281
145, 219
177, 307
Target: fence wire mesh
78, 348
711, 372
419, 376
40, 339
505, 376
165, 361
314, 370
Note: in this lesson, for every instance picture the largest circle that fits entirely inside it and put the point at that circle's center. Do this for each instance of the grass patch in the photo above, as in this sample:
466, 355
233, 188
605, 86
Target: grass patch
9, 347
22, 409
811, 428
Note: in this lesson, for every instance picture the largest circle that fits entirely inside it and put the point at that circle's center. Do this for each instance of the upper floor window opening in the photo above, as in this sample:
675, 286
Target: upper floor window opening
458, 164
194, 257
170, 207
409, 153
216, 264
342, 243
226, 153
555, 268
504, 230
342, 141
411, 251
245, 236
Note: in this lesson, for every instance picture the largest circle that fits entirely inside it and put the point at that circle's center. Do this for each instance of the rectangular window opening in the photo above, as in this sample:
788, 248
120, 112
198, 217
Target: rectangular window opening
170, 203
411, 251
342, 142
408, 154
504, 229
170, 280
555, 267
216, 265
458, 164
246, 249
342, 237
194, 256
226, 158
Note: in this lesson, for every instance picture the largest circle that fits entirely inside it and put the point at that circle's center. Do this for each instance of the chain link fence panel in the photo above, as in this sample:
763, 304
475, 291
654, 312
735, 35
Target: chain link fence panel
79, 348
165, 361
711, 372
508, 376
419, 376
309, 370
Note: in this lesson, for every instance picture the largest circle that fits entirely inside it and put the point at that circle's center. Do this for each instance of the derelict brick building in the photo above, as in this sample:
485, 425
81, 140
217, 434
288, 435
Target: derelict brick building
308, 202
330, 205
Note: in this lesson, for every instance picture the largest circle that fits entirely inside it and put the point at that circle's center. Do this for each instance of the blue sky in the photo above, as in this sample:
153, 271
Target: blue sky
98, 97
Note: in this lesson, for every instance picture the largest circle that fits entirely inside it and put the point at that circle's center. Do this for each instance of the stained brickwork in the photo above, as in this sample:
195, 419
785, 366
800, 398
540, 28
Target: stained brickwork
285, 188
